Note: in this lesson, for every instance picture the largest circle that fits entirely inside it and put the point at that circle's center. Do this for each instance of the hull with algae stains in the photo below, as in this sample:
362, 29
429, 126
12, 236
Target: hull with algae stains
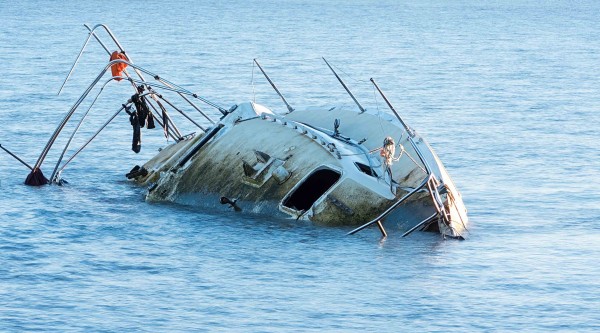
298, 166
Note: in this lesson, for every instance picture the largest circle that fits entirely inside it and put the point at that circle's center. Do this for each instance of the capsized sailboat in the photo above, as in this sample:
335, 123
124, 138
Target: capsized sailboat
334, 167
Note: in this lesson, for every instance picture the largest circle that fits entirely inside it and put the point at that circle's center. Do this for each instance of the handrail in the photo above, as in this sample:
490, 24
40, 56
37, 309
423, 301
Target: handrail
87, 91
112, 36
392, 207
74, 107
167, 85
74, 64
138, 70
419, 225
182, 113
70, 113
169, 124
156, 77
159, 79
90, 140
174, 87
437, 200
77, 128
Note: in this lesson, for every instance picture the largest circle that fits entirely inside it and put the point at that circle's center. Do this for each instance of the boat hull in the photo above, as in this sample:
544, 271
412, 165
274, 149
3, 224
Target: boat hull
293, 167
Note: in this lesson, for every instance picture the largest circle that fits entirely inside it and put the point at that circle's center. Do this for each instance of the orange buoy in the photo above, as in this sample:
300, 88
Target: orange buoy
118, 68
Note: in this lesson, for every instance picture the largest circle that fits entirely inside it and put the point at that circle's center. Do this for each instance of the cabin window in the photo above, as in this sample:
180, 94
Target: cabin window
311, 189
366, 169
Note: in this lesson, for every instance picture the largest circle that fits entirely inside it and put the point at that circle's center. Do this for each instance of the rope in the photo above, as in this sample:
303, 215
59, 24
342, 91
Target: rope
165, 127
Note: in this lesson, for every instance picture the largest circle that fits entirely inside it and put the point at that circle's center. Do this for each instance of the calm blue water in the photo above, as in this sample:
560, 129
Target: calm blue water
507, 93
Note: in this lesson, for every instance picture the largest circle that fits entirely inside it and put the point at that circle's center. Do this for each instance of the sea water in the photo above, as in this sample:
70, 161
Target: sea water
506, 92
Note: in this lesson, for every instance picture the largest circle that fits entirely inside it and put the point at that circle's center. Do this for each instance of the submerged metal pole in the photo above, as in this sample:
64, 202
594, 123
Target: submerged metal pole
380, 226
70, 113
77, 129
345, 87
290, 109
87, 40
92, 138
16, 157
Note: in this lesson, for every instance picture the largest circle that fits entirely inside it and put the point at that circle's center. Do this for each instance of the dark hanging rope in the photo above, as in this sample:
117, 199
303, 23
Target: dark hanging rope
167, 119
145, 116
164, 123
134, 119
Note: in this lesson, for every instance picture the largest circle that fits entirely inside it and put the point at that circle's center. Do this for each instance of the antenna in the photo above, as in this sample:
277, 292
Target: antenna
290, 109
345, 87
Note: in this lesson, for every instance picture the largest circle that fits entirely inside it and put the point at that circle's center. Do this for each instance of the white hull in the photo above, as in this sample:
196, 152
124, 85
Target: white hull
303, 171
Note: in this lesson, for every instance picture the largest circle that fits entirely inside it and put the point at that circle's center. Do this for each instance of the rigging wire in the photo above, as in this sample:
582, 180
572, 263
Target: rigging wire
378, 110
252, 82
305, 60
350, 77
